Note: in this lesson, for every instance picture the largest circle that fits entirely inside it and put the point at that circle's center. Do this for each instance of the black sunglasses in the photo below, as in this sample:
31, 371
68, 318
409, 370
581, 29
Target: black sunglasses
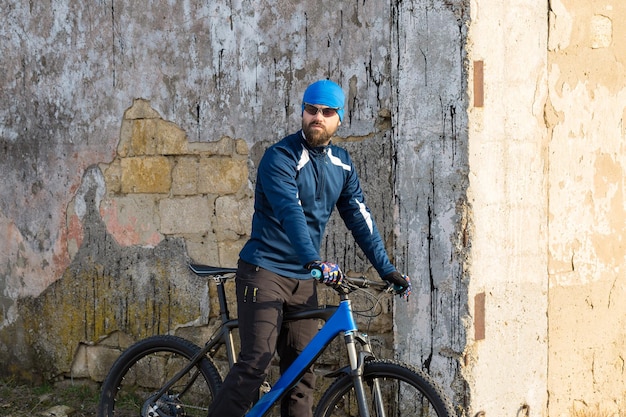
326, 111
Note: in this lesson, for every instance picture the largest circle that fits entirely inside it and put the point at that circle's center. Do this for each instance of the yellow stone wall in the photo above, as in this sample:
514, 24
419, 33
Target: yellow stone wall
161, 185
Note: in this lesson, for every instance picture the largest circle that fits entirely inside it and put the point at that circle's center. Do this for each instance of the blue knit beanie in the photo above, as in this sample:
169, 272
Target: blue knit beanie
326, 93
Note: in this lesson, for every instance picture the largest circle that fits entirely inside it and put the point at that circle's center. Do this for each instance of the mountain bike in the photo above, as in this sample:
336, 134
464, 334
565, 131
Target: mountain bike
169, 376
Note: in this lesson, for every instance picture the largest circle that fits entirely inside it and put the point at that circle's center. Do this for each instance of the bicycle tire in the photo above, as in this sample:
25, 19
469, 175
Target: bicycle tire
406, 390
142, 369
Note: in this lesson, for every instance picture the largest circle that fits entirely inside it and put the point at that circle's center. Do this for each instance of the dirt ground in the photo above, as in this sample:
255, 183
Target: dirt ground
73, 399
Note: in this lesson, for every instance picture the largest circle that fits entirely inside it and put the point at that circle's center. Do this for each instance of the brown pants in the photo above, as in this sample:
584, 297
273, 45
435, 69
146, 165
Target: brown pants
262, 299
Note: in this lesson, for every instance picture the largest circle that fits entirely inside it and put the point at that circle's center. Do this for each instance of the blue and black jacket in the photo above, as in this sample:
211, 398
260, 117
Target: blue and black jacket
296, 191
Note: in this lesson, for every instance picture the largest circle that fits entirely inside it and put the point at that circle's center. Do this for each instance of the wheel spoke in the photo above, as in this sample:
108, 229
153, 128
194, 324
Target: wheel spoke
133, 385
392, 390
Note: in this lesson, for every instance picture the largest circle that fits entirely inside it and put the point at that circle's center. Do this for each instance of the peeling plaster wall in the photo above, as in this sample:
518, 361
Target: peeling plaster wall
587, 209
507, 351
546, 156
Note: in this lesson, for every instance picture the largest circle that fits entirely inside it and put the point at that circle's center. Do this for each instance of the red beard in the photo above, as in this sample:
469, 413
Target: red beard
316, 134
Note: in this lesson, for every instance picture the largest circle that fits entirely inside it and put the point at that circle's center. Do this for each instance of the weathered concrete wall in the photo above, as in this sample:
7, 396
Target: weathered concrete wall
430, 131
132, 131
587, 209
506, 355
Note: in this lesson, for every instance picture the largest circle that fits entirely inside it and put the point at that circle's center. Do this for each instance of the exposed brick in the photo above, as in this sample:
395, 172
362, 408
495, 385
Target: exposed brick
234, 215
132, 220
143, 138
155, 137
146, 175
124, 147
170, 139
79, 367
222, 175
241, 147
99, 361
185, 176
229, 251
202, 248
224, 147
185, 215
117, 339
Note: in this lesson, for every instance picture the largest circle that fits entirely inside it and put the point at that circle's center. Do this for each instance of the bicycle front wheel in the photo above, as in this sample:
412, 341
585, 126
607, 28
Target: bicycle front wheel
392, 389
139, 373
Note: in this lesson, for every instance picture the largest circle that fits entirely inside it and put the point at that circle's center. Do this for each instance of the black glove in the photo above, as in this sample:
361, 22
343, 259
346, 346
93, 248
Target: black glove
400, 283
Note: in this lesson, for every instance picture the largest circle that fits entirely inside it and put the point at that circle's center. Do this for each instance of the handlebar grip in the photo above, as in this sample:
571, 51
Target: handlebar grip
316, 273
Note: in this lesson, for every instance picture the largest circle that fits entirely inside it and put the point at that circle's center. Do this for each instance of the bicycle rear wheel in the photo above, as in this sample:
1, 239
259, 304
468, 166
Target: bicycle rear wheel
138, 374
405, 391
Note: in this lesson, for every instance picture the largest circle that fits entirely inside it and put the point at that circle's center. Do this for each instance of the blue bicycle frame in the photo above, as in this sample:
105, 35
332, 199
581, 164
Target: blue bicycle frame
341, 321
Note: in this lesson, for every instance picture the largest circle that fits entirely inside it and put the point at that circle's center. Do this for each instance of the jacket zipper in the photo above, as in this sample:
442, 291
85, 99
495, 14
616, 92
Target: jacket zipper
321, 163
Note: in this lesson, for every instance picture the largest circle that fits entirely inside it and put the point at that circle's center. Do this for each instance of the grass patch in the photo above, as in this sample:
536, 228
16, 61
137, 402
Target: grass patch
21, 400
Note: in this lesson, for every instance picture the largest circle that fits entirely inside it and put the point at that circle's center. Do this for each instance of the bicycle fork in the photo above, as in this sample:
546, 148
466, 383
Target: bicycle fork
357, 366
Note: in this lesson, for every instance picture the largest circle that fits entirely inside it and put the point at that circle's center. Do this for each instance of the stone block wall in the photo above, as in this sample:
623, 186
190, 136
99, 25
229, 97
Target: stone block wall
132, 227
161, 185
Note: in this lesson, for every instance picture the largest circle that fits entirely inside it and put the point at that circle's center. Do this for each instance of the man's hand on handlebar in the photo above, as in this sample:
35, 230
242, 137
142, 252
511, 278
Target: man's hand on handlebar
330, 274
326, 272
401, 283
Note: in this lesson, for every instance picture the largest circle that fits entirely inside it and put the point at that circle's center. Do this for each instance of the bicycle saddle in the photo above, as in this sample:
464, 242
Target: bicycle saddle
206, 270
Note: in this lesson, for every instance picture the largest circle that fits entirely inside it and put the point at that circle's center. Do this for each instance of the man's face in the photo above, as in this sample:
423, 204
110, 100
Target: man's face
319, 128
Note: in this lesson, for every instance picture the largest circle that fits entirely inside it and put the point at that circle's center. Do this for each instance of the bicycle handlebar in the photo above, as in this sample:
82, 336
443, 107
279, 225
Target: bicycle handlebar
348, 284
363, 282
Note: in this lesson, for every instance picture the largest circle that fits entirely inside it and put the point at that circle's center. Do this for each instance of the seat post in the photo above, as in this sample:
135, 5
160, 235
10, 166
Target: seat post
221, 297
